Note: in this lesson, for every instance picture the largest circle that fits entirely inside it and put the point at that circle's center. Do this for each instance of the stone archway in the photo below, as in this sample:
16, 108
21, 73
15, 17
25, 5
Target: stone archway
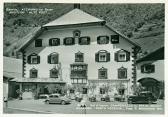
150, 84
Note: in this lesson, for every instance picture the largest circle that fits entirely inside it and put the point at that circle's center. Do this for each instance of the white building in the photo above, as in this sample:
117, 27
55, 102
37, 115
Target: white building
150, 71
80, 50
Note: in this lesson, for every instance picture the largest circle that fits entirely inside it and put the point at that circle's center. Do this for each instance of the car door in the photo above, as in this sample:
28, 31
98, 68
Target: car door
56, 99
51, 98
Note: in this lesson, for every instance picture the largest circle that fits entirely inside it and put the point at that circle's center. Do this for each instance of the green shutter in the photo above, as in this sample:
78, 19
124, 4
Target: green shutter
108, 57
116, 56
97, 57
29, 59
98, 40
49, 59
38, 59
142, 68
127, 56
50, 42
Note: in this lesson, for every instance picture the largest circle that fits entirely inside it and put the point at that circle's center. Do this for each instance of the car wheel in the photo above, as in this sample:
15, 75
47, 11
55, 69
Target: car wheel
47, 102
63, 102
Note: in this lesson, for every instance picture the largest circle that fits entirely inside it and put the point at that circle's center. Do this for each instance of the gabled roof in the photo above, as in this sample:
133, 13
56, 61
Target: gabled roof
73, 17
76, 16
157, 54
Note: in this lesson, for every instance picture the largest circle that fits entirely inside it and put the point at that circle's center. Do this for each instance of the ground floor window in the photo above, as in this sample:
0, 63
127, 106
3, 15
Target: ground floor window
78, 81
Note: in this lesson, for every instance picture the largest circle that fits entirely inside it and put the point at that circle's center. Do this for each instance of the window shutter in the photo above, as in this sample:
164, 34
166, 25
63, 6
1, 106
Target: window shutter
64, 41
142, 69
127, 56
97, 57
88, 40
38, 59
73, 40
50, 42
58, 41
57, 59
116, 56
152, 68
29, 59
98, 40
49, 59
108, 57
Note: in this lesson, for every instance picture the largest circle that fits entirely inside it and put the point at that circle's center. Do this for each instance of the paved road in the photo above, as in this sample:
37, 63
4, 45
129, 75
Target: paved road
38, 106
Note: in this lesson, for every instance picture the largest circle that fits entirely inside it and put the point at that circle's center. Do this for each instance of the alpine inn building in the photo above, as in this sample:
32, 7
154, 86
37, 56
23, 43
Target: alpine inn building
81, 51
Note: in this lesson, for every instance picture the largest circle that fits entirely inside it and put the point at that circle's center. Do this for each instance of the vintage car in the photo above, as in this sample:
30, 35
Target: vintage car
57, 98
43, 96
143, 98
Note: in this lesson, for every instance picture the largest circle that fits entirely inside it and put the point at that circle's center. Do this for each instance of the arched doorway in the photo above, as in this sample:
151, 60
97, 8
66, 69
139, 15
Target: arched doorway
150, 84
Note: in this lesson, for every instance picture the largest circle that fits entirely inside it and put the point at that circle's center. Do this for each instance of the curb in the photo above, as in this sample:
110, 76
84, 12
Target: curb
31, 110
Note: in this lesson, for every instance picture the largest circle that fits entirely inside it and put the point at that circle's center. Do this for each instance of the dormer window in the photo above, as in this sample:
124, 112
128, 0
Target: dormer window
84, 40
102, 56
53, 58
38, 43
54, 42
102, 74
122, 73
33, 73
54, 73
76, 34
33, 59
79, 57
103, 40
147, 68
122, 56
69, 41
114, 39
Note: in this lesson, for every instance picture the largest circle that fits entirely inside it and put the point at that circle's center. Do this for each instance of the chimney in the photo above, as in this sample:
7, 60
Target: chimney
77, 6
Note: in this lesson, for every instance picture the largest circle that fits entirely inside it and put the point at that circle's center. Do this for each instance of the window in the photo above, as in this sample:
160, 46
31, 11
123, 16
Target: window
114, 39
147, 68
33, 59
76, 34
102, 56
103, 40
38, 43
53, 58
79, 57
84, 40
122, 73
69, 41
33, 73
78, 73
102, 91
54, 73
54, 42
122, 56
84, 91
102, 73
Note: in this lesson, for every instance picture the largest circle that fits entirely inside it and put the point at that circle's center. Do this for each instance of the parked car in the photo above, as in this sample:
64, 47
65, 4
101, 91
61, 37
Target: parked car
143, 97
43, 96
57, 98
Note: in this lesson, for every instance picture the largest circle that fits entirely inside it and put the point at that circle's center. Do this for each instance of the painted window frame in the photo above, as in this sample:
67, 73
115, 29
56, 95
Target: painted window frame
150, 70
52, 55
31, 73
69, 43
38, 43
102, 53
54, 70
77, 59
76, 33
105, 39
51, 43
120, 70
102, 70
86, 42
30, 58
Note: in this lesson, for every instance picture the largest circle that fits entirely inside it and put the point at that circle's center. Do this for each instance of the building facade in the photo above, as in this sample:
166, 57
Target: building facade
150, 72
80, 51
